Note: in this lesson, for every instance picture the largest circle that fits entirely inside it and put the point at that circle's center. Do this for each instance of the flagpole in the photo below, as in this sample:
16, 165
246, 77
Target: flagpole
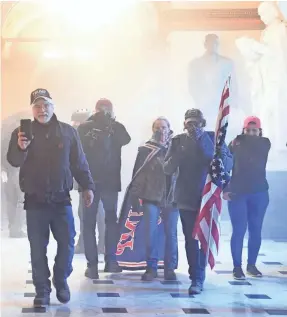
209, 235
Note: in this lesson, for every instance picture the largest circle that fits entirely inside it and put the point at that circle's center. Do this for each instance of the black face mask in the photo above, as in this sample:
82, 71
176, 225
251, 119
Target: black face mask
103, 119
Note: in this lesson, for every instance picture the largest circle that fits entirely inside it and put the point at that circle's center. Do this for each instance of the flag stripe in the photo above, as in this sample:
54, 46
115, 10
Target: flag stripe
207, 226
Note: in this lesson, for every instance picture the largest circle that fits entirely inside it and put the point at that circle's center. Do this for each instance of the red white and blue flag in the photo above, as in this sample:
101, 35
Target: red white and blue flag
207, 226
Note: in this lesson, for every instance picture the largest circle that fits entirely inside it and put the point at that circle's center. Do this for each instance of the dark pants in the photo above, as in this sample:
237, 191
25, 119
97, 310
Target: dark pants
110, 201
195, 255
61, 222
100, 225
151, 214
247, 211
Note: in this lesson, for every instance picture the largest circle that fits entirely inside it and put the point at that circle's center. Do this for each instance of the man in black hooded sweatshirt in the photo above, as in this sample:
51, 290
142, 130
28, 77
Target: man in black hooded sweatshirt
102, 139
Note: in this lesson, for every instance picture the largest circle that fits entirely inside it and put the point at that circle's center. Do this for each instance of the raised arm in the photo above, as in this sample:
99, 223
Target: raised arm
121, 134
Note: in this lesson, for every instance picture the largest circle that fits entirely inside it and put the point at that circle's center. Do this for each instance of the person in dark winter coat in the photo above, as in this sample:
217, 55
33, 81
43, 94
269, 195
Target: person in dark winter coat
247, 194
191, 153
48, 162
102, 139
77, 118
155, 190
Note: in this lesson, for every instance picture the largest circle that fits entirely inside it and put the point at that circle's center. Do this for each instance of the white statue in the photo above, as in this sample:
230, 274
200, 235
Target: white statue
267, 65
206, 78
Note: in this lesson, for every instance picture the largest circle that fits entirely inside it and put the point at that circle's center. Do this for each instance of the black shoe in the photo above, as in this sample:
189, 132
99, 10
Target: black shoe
62, 291
253, 271
92, 273
195, 288
238, 273
41, 299
169, 275
149, 275
112, 267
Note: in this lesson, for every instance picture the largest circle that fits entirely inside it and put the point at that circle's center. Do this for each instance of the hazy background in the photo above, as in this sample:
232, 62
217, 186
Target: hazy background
94, 52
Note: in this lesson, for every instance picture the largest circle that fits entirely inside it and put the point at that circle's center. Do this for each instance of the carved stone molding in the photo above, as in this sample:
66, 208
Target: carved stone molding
210, 19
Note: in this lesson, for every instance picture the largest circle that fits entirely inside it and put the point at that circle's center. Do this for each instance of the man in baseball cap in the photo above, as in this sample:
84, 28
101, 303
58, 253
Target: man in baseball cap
48, 163
43, 105
191, 154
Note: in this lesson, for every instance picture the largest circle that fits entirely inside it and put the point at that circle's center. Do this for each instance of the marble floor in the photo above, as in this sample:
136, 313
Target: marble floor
125, 294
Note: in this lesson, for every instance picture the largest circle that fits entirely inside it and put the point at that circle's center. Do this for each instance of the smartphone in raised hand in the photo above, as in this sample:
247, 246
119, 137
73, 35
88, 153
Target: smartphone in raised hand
26, 127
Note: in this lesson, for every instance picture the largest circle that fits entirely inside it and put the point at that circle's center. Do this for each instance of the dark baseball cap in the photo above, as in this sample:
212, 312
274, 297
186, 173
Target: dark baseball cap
40, 93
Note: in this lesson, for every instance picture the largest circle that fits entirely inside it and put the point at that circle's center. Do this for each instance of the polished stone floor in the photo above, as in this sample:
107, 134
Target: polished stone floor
125, 295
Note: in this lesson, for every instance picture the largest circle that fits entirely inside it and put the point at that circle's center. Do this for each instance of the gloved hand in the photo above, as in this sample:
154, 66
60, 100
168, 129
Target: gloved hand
194, 131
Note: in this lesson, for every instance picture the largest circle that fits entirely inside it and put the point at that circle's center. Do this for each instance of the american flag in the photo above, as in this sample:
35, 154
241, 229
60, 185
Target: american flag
206, 228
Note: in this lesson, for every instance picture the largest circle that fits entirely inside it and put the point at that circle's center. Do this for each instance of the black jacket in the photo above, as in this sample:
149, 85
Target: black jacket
250, 154
192, 158
103, 151
53, 158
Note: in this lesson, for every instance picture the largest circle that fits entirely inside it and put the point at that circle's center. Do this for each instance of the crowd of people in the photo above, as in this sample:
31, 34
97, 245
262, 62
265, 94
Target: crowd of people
167, 182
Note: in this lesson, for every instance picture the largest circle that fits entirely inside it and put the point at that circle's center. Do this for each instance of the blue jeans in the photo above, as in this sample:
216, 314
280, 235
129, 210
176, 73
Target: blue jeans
61, 222
247, 210
151, 214
195, 256
110, 201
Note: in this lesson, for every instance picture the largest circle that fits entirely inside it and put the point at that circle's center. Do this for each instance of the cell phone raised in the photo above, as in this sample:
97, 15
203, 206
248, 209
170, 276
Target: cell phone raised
26, 127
